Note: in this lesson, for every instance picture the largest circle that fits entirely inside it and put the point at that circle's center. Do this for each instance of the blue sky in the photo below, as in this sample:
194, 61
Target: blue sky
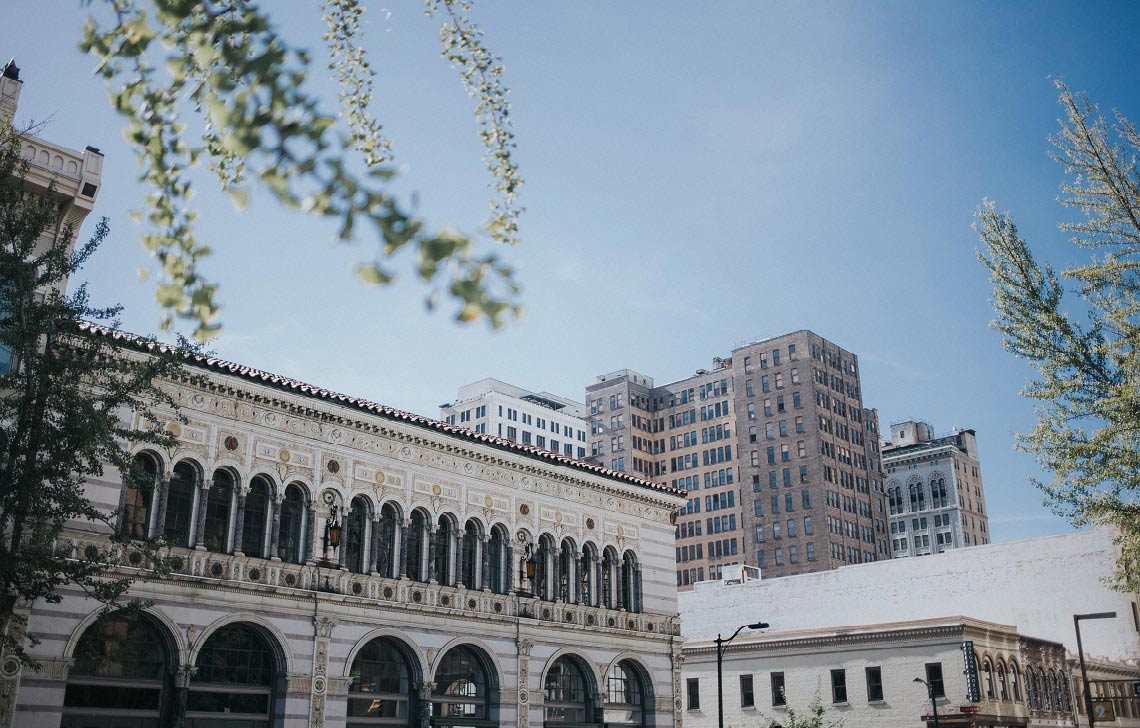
696, 175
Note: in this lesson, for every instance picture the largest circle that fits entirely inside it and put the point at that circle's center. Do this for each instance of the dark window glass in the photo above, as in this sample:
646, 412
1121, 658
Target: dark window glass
934, 677
462, 691
567, 693
179, 505
874, 684
417, 533
290, 536
354, 535
139, 497
218, 501
497, 561
389, 523
838, 686
778, 695
380, 688
693, 688
624, 696
443, 538
471, 538
254, 517
747, 698
235, 677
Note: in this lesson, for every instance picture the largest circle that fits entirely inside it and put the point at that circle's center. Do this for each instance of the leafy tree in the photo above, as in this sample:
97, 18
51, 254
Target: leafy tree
1087, 383
814, 716
223, 65
63, 395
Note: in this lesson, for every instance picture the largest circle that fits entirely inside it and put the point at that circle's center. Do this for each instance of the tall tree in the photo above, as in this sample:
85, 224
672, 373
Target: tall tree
215, 81
1087, 386
63, 399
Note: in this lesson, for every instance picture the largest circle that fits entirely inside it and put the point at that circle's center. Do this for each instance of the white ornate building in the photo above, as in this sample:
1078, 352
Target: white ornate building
427, 612
342, 563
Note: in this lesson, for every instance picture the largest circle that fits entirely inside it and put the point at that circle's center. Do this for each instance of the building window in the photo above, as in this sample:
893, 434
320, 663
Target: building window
838, 686
934, 678
779, 697
747, 699
693, 690
462, 694
875, 684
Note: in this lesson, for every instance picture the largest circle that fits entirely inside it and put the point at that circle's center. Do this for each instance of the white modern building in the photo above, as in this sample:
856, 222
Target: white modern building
865, 676
934, 490
541, 419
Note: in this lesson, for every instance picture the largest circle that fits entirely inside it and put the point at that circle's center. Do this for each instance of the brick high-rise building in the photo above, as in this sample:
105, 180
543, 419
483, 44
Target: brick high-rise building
776, 437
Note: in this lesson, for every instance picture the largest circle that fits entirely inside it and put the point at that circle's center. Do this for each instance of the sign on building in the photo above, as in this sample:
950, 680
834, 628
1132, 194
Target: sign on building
973, 687
1103, 711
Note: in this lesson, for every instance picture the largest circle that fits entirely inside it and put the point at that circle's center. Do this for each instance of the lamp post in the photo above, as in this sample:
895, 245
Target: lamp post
720, 643
333, 531
933, 700
1077, 618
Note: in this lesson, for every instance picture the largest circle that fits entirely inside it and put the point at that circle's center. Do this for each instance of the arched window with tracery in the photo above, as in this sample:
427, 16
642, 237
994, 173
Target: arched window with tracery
894, 495
545, 566
291, 535
569, 694
1003, 686
465, 690
587, 581
630, 583
383, 686
416, 553
386, 542
236, 681
566, 570
355, 530
498, 559
180, 505
610, 567
625, 696
469, 561
219, 501
444, 547
122, 676
255, 518
138, 497
1015, 681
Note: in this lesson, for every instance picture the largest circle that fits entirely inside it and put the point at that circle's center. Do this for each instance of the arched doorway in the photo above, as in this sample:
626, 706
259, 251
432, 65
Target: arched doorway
122, 675
236, 683
626, 695
383, 685
466, 690
570, 694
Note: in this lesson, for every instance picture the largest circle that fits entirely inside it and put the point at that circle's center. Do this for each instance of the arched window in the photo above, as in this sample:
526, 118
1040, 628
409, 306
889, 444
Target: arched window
180, 505
498, 560
138, 497
630, 589
417, 534
386, 542
1015, 681
382, 686
988, 671
469, 561
566, 571
444, 543
291, 536
895, 496
1030, 687
464, 692
235, 680
587, 580
219, 500
121, 676
1002, 685
1066, 696
545, 565
255, 518
625, 696
609, 567
569, 694
354, 531
1047, 690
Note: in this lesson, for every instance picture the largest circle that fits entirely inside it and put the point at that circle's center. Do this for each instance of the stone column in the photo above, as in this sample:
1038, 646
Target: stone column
239, 523
200, 525
309, 536
377, 535
484, 563
556, 574
322, 635
457, 562
423, 712
342, 549
182, 677
160, 507
509, 574
404, 549
433, 538
523, 705
578, 590
636, 590
366, 548
275, 528
619, 572
599, 592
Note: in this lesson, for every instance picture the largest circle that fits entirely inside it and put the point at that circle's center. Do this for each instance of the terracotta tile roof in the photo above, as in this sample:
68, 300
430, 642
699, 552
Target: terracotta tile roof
258, 376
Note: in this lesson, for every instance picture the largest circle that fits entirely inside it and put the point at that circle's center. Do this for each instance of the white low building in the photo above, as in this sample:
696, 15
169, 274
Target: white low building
865, 676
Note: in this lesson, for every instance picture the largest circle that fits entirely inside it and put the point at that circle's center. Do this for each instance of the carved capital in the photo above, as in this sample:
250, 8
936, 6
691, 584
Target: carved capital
324, 626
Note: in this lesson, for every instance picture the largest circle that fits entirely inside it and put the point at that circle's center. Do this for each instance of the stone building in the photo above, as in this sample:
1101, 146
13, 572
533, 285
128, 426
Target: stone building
934, 490
865, 676
336, 562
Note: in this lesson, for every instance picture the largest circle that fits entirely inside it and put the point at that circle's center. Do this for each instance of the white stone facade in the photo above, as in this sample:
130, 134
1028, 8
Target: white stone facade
612, 616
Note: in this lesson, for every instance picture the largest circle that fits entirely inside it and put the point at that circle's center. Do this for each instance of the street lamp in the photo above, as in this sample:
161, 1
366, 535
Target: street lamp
720, 643
1081, 655
333, 531
933, 701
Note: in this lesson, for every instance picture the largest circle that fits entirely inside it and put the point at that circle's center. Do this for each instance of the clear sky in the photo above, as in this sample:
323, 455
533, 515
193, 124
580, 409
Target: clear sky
697, 174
